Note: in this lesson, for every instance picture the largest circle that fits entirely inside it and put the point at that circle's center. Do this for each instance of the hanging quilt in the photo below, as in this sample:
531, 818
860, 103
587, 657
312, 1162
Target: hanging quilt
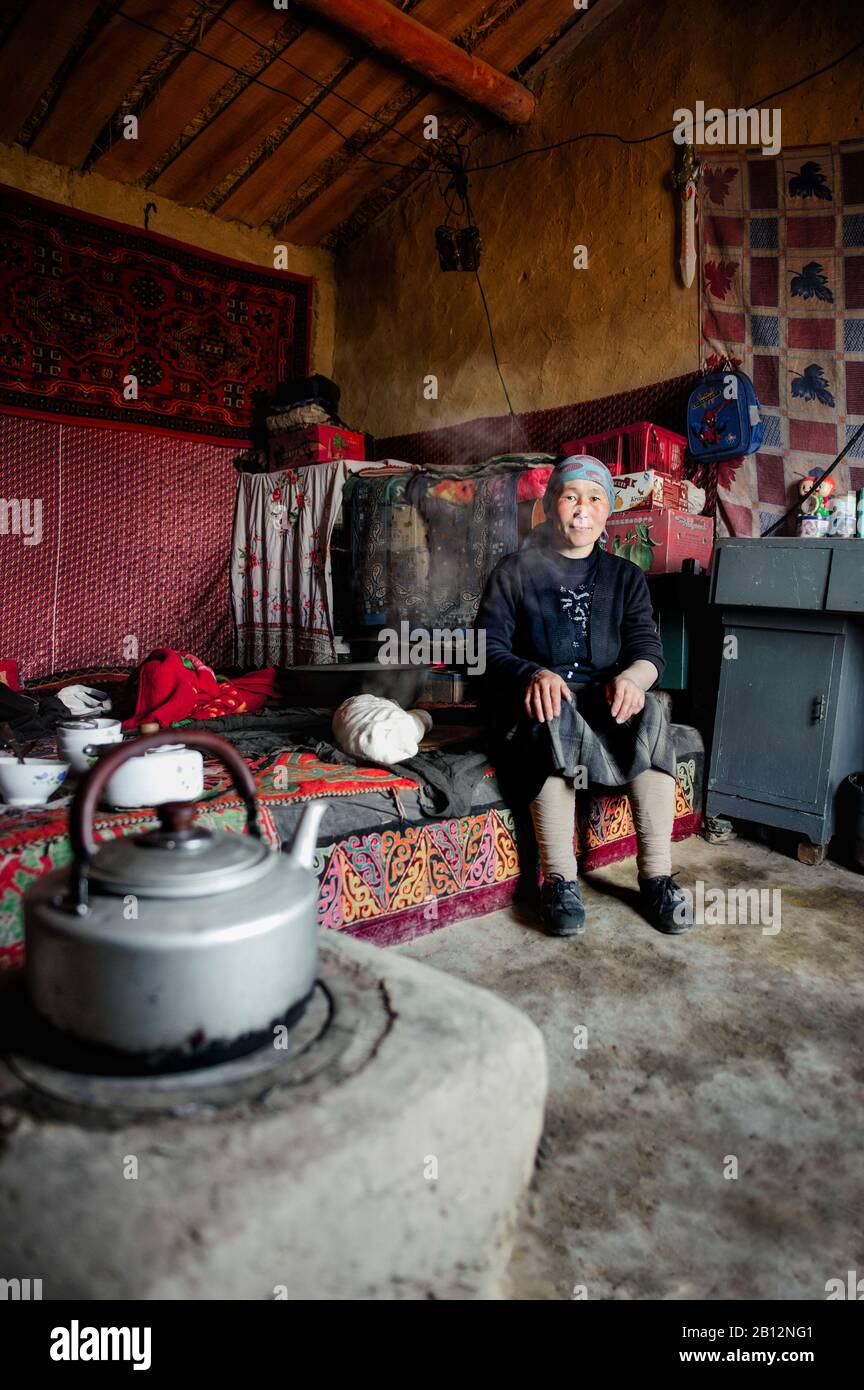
108, 323
782, 266
471, 524
389, 551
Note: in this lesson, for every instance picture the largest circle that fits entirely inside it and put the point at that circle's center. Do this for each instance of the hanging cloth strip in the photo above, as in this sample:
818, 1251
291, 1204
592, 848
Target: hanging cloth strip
281, 578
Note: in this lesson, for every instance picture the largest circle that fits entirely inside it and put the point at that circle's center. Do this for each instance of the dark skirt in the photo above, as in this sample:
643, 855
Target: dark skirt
585, 736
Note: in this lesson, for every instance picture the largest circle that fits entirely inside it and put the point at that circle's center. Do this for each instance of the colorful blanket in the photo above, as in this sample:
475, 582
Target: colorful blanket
33, 841
471, 524
389, 552
782, 265
385, 884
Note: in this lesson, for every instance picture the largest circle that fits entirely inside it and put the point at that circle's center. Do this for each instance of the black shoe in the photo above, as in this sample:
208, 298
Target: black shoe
561, 907
667, 906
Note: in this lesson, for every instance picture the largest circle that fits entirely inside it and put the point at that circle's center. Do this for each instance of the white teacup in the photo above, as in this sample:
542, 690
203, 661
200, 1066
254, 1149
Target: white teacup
29, 783
74, 736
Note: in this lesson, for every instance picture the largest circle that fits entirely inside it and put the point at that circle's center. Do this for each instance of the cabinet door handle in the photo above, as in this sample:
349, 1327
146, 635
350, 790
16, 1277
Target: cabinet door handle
819, 705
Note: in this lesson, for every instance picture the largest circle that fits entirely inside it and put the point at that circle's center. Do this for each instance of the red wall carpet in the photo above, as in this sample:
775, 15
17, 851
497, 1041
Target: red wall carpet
86, 303
133, 552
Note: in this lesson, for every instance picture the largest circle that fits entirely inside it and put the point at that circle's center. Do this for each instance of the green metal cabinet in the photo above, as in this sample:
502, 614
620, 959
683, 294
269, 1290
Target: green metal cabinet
790, 711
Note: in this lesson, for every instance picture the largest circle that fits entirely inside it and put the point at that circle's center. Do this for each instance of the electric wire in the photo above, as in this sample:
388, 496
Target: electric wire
659, 134
513, 416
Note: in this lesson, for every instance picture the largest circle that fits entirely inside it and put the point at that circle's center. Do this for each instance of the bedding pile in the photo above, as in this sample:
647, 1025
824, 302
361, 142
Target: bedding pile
175, 686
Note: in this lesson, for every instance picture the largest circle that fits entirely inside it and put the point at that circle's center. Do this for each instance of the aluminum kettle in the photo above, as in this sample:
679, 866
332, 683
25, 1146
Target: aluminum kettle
180, 945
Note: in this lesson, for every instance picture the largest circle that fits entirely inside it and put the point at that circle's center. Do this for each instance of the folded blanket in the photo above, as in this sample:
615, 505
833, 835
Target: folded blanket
269, 731
448, 777
174, 686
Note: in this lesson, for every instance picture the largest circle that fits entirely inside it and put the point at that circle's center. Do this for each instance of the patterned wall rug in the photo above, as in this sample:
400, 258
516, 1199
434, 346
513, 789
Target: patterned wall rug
783, 293
86, 304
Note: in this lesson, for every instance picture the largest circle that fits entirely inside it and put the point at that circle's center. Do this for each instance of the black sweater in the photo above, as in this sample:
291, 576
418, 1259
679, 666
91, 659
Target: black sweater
526, 630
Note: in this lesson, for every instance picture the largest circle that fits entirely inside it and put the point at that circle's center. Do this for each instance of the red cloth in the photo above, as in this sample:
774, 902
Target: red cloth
532, 483
173, 686
9, 674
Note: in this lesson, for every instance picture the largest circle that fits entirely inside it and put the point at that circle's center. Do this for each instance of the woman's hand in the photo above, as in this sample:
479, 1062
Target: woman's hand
544, 695
625, 697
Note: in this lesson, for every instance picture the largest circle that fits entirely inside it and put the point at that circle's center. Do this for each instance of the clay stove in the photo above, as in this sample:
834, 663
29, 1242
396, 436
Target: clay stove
376, 1150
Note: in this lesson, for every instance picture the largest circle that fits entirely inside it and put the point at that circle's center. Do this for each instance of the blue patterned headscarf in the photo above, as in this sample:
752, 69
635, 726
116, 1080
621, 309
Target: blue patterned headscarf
578, 466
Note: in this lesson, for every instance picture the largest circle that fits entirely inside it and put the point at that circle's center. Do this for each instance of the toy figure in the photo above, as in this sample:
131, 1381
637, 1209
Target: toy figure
813, 513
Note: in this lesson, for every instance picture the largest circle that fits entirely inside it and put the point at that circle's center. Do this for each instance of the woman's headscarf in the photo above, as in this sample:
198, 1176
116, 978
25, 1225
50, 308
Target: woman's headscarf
578, 466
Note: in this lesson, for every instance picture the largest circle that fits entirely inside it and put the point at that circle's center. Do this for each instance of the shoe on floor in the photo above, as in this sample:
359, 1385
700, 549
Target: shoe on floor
666, 906
561, 907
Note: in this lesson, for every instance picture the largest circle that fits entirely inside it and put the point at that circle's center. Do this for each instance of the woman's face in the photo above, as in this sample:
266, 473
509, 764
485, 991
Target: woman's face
579, 515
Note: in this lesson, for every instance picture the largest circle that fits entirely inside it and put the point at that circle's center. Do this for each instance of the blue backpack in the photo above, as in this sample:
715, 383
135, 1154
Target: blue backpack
723, 420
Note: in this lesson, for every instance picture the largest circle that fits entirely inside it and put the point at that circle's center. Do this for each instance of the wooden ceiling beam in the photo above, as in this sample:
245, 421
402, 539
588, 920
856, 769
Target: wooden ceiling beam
297, 173
389, 32
255, 115
514, 47
173, 101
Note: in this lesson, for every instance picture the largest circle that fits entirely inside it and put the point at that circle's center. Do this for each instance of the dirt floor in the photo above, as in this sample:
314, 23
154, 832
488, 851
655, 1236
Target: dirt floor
730, 1048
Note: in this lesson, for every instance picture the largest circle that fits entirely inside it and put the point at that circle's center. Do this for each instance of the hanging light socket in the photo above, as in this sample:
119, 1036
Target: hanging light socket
459, 248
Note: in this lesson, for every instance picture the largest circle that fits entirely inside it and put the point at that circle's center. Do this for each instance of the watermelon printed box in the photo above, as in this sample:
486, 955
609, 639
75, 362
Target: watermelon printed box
660, 541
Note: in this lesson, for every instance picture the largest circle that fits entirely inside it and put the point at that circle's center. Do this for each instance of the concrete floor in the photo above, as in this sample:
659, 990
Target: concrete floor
722, 1044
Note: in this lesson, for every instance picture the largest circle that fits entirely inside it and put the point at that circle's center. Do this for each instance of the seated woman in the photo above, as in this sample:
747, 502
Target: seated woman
571, 650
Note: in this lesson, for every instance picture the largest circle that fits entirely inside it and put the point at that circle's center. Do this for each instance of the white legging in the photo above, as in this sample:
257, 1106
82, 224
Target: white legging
652, 797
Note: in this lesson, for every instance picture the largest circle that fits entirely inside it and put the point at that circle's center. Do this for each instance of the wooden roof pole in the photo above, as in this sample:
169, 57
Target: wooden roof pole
388, 31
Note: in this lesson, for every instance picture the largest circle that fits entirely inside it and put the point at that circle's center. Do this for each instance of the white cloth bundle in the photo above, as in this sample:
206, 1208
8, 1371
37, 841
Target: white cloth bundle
379, 730
84, 699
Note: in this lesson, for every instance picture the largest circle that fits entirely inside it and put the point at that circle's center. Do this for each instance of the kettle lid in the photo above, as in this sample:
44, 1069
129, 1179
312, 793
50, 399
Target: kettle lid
179, 859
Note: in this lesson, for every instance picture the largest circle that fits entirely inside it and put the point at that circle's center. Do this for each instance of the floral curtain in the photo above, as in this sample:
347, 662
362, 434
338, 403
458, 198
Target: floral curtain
281, 581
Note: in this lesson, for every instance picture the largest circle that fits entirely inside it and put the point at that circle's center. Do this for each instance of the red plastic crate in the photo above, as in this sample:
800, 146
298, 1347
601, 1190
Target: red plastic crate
634, 449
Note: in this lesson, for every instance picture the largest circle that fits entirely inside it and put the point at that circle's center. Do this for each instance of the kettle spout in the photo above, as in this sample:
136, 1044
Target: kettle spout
302, 852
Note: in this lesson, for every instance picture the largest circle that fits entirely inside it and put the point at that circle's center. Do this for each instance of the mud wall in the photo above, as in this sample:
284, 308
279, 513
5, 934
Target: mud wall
563, 334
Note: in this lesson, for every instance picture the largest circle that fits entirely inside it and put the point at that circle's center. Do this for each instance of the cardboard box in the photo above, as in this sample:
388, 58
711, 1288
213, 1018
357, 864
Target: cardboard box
649, 490
659, 541
313, 444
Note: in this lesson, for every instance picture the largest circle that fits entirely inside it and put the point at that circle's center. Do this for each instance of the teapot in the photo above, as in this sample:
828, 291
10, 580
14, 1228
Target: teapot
179, 945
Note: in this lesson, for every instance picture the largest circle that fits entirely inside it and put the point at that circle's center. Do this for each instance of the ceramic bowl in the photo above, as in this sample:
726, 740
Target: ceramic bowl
29, 783
73, 737
169, 773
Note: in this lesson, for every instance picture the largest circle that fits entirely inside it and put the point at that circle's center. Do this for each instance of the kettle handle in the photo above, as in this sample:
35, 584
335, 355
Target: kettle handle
85, 800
